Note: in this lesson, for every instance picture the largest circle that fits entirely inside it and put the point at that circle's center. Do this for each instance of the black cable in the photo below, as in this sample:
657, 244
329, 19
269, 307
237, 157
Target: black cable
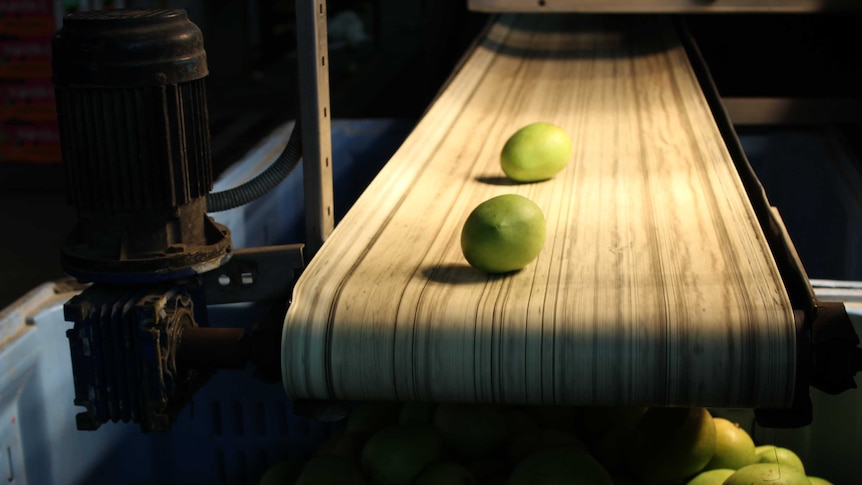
269, 179
264, 182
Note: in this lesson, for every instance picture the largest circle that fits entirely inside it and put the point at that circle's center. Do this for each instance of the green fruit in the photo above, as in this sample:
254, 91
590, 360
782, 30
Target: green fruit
536, 152
781, 456
416, 412
503, 234
671, 444
569, 464
734, 448
398, 454
767, 474
445, 473
369, 417
282, 473
328, 469
471, 430
711, 477
539, 439
819, 481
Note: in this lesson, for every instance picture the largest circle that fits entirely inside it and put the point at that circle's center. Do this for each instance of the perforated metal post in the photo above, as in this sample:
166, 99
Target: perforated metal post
313, 55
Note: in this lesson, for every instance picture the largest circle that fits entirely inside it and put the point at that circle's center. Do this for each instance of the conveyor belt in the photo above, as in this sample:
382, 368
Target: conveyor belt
655, 286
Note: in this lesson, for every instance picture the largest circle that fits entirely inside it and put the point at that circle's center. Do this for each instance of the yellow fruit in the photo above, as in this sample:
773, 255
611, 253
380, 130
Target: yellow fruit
398, 454
711, 477
767, 474
445, 473
471, 430
282, 473
781, 456
328, 469
503, 234
734, 448
671, 444
536, 152
569, 464
760, 449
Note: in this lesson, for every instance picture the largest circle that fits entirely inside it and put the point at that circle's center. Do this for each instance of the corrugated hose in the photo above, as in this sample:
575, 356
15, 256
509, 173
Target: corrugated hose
264, 181
273, 175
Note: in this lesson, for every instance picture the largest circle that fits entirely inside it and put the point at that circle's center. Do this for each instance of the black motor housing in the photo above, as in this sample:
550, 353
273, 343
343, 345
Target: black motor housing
134, 131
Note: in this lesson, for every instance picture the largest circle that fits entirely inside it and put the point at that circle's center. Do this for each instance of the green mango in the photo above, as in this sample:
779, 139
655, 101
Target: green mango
767, 474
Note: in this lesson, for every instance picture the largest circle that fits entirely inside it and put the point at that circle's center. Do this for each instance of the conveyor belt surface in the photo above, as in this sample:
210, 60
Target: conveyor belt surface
655, 284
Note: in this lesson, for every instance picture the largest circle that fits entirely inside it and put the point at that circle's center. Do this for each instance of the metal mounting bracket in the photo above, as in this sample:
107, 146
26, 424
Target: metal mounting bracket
255, 274
315, 113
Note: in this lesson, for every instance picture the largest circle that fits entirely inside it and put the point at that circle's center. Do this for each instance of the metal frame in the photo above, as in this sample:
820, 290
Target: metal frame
774, 111
315, 114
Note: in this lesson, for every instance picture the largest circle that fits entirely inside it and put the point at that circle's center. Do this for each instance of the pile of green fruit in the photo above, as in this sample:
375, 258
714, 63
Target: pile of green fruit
435, 444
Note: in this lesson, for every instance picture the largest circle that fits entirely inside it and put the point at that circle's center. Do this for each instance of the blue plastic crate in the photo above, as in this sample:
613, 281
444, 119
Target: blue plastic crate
236, 426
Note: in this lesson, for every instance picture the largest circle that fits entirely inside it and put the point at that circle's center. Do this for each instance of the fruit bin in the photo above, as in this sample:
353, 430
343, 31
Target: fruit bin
237, 426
